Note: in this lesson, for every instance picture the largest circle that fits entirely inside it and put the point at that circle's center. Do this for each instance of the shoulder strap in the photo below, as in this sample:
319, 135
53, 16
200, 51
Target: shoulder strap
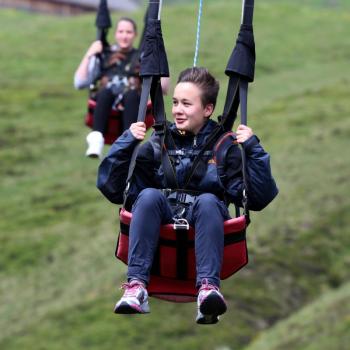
152, 68
208, 146
147, 85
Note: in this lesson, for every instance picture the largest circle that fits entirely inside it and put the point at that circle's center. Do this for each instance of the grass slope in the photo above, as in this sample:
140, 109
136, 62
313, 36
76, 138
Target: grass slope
58, 275
322, 325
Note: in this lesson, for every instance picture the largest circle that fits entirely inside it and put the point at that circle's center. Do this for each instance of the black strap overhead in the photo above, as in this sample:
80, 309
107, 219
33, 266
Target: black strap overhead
103, 22
247, 14
153, 57
146, 88
240, 66
154, 65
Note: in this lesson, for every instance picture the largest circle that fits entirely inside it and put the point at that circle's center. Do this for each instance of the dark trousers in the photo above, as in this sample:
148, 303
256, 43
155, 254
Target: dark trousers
105, 100
206, 215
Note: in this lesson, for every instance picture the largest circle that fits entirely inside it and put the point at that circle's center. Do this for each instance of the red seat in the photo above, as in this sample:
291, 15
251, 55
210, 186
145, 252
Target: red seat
165, 282
114, 128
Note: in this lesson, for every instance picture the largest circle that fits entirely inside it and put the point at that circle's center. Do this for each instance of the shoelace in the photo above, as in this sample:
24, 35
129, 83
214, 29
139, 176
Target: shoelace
131, 289
207, 286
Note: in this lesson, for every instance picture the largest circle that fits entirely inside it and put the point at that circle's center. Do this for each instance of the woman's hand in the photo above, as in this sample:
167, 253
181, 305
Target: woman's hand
95, 48
138, 130
243, 133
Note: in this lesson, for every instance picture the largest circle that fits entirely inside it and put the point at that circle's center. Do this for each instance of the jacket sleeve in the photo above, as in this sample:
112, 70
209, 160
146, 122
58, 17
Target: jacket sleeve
261, 187
94, 73
113, 170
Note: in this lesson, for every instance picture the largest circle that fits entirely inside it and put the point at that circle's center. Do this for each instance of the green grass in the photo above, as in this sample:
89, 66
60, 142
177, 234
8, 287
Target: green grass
59, 279
324, 324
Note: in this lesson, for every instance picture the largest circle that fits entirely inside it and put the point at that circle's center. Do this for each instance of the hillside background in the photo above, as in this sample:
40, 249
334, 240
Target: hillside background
59, 278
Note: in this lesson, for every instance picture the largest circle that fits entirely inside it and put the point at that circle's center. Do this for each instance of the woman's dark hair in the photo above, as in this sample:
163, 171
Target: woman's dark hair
201, 77
130, 20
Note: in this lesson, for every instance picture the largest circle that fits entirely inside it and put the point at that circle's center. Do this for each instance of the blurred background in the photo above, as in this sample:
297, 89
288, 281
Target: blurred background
59, 279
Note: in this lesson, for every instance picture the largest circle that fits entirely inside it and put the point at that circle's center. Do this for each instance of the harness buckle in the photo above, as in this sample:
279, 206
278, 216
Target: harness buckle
127, 187
181, 197
159, 128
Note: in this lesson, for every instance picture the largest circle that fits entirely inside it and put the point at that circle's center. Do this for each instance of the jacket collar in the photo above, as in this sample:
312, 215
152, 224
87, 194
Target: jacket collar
203, 134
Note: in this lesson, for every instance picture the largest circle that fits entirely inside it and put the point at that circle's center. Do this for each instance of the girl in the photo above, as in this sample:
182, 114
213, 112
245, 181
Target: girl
194, 101
118, 81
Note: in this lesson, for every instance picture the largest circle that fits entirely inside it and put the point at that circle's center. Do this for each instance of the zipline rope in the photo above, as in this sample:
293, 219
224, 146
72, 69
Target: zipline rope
160, 9
198, 33
242, 15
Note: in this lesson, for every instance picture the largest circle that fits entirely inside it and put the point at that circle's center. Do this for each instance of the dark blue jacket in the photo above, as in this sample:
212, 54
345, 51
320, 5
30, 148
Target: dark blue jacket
113, 170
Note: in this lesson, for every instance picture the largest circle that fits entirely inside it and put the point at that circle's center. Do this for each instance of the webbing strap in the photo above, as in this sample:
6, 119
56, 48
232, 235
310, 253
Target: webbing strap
237, 96
145, 92
243, 95
231, 103
188, 152
154, 9
158, 103
209, 145
181, 253
168, 168
162, 132
247, 12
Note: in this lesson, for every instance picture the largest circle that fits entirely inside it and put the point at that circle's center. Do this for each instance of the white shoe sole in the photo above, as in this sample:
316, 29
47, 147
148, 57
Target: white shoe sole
124, 307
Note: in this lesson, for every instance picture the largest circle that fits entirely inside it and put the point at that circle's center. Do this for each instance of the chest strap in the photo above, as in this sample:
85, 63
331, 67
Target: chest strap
188, 153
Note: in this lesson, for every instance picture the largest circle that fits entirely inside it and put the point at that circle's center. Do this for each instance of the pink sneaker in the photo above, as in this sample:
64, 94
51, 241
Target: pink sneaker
134, 299
210, 303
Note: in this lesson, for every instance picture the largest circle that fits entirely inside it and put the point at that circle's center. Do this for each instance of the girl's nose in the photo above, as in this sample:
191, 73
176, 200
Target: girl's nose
177, 109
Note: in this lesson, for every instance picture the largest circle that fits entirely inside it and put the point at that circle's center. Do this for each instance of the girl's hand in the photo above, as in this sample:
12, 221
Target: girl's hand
95, 48
138, 130
243, 133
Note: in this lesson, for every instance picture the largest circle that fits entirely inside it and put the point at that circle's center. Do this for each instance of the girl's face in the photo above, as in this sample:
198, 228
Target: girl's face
188, 111
125, 35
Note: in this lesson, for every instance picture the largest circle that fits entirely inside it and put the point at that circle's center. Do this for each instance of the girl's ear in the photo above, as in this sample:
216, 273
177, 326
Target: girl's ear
208, 110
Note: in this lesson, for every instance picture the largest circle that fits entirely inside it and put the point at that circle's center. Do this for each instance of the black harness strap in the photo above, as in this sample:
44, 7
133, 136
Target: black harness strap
163, 133
243, 92
231, 103
209, 145
145, 91
168, 167
188, 153
154, 64
181, 253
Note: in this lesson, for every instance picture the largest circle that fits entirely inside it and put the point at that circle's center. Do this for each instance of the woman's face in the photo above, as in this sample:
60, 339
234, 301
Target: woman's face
188, 111
125, 35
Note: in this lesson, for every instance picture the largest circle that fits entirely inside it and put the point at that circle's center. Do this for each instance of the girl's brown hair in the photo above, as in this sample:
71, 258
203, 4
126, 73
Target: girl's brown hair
201, 77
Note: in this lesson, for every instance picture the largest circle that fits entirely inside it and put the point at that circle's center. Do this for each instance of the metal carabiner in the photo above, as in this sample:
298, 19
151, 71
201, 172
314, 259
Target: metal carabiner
181, 224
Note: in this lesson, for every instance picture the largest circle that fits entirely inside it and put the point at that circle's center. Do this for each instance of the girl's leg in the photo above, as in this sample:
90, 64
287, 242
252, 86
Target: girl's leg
131, 101
105, 100
150, 210
207, 216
